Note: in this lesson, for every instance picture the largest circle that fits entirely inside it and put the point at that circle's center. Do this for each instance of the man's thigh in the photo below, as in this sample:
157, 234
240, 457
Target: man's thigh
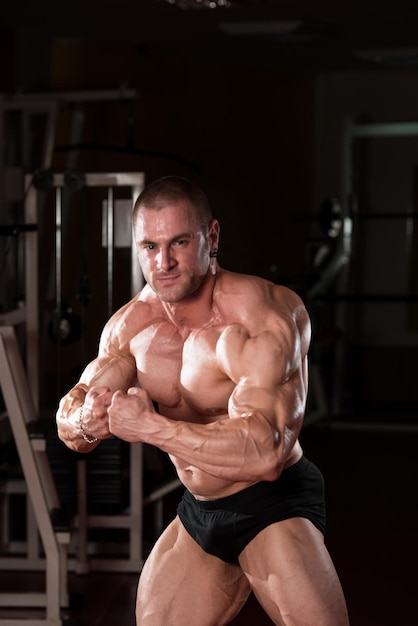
181, 584
292, 575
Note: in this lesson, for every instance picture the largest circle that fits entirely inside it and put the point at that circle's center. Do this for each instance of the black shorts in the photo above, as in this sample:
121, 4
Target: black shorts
223, 527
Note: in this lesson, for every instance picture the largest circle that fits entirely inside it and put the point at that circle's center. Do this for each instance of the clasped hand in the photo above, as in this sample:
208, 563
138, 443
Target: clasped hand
121, 414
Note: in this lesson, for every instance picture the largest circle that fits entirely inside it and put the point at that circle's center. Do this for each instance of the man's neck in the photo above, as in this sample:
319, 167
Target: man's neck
195, 311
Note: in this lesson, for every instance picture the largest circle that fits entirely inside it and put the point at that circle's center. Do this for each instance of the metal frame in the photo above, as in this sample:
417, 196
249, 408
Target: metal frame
41, 489
131, 519
109, 180
351, 131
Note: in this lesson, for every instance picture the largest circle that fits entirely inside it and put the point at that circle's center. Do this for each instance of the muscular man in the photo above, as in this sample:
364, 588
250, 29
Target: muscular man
224, 357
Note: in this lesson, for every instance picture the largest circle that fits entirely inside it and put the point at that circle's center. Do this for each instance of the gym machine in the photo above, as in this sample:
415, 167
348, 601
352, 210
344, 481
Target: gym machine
65, 543
344, 297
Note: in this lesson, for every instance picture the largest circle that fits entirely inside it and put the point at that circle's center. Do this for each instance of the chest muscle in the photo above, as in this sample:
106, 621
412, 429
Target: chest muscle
181, 373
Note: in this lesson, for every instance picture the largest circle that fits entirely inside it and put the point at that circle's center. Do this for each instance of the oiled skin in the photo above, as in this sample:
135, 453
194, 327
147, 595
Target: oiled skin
224, 356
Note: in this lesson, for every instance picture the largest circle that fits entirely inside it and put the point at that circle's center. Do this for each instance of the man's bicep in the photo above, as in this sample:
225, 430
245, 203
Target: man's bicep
271, 358
277, 411
265, 358
272, 381
114, 372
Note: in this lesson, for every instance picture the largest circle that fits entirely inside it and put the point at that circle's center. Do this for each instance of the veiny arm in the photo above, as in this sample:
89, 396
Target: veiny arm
113, 369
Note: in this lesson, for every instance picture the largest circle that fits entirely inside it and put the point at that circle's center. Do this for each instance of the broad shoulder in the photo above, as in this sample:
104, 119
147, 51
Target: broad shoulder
258, 303
141, 311
269, 327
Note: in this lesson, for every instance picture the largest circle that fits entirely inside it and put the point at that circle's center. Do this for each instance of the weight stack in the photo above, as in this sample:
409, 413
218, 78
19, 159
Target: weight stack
107, 473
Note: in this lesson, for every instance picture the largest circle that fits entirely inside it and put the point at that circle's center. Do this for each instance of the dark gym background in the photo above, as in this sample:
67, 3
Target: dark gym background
251, 100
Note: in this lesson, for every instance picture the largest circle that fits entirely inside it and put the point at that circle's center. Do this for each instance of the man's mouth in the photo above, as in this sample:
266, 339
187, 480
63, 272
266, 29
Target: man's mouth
168, 278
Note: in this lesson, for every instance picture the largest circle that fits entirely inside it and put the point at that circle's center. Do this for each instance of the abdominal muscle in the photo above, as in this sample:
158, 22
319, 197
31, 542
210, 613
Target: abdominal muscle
205, 486
202, 485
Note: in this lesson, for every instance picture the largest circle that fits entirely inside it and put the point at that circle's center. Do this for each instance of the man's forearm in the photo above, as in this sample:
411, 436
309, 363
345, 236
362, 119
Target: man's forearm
242, 449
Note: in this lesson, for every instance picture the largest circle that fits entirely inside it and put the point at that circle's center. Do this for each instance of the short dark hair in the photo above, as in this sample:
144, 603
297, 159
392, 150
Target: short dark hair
173, 189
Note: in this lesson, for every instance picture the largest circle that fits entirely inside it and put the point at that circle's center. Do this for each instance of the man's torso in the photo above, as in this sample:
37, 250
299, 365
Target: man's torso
180, 369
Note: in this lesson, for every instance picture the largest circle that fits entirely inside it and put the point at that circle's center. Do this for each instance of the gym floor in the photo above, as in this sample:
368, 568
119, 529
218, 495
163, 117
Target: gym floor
370, 466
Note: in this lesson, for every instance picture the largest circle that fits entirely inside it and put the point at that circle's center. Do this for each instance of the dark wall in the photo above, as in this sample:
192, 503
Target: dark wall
241, 126
7, 54
244, 132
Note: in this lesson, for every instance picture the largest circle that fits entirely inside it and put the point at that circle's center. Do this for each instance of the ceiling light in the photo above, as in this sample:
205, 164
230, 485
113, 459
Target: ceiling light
204, 4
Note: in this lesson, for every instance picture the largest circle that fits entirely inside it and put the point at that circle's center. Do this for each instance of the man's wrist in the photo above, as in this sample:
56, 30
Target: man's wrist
88, 438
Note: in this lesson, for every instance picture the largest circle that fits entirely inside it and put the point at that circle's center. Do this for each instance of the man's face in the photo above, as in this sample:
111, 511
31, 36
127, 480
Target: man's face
172, 250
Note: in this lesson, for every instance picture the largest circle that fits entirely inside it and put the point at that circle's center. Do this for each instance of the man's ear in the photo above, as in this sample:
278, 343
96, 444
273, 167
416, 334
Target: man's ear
214, 230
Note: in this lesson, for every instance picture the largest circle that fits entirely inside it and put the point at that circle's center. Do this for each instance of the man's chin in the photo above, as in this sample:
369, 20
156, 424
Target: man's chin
171, 296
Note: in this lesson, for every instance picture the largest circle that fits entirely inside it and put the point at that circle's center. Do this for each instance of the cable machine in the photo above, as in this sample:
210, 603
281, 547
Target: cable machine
19, 384
132, 519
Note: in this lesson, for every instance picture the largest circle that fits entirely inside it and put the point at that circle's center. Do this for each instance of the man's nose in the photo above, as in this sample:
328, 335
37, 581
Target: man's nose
165, 258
